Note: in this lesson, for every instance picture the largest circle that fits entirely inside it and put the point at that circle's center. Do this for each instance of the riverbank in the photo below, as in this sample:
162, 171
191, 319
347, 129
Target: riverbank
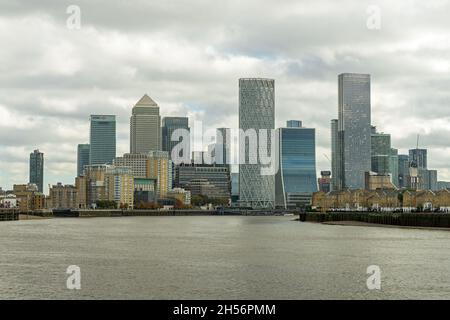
31, 217
421, 220
367, 224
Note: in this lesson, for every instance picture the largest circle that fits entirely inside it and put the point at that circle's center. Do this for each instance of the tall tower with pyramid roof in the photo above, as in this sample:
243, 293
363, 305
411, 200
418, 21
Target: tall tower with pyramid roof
145, 126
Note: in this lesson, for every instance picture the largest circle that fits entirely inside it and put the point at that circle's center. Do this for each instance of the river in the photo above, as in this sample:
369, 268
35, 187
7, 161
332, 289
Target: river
219, 257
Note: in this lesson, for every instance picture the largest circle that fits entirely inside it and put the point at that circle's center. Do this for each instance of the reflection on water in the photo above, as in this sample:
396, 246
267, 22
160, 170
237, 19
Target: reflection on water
219, 258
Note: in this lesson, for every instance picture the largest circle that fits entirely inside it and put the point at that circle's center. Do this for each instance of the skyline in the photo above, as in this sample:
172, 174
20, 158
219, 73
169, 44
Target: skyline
47, 99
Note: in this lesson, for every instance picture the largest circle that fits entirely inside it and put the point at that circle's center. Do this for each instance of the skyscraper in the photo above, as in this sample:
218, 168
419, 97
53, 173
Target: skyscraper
145, 126
336, 157
169, 125
418, 157
381, 151
256, 111
102, 139
296, 178
393, 167
403, 170
354, 130
82, 157
37, 169
223, 146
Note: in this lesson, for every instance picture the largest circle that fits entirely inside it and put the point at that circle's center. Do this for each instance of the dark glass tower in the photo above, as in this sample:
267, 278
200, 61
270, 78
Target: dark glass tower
37, 169
354, 130
102, 139
296, 179
82, 157
169, 125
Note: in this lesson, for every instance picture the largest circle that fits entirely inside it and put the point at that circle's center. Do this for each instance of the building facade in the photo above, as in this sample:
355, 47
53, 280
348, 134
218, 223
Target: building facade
83, 151
145, 126
256, 112
204, 179
159, 167
119, 186
380, 152
102, 139
37, 169
403, 170
296, 177
169, 125
62, 197
354, 130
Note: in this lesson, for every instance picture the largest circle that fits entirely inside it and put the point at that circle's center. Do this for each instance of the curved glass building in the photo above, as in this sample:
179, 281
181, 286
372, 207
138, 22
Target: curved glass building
296, 179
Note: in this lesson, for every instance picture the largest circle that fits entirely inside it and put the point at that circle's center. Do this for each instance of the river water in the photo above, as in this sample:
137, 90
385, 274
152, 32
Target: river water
224, 257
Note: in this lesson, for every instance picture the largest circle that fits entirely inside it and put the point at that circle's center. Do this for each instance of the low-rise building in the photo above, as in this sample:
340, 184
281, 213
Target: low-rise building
62, 197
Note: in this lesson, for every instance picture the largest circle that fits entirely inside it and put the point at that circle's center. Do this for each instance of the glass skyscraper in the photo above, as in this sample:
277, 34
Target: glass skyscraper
169, 125
353, 137
296, 178
381, 152
393, 166
37, 169
256, 111
418, 158
82, 157
403, 170
102, 139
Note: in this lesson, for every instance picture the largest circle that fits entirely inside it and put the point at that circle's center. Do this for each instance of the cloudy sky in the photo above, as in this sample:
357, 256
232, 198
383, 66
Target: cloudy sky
189, 55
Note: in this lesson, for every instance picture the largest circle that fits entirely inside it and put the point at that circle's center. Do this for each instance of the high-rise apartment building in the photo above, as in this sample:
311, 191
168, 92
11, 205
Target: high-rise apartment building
256, 112
119, 186
102, 139
82, 157
37, 169
159, 167
353, 136
145, 126
296, 179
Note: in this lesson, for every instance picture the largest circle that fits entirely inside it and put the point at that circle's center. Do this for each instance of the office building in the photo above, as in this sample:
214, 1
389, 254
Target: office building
136, 161
37, 169
144, 192
102, 139
352, 139
336, 157
380, 152
296, 178
169, 125
403, 170
82, 157
393, 167
256, 112
209, 180
418, 158
145, 126
223, 146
